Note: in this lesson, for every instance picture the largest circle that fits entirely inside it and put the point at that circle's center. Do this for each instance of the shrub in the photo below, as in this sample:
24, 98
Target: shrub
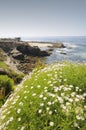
3, 65
6, 85
3, 57
17, 77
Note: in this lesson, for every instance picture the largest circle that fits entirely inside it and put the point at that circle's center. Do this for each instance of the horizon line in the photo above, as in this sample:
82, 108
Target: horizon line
42, 36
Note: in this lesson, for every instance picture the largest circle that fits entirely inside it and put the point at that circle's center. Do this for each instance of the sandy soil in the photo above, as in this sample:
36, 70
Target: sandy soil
40, 45
12, 65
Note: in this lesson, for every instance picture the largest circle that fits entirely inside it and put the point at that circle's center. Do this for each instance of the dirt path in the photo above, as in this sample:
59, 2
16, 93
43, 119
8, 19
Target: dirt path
12, 64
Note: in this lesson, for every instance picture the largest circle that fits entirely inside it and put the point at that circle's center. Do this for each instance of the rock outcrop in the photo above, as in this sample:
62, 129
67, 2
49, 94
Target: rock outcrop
22, 56
17, 54
23, 48
58, 45
8, 45
32, 51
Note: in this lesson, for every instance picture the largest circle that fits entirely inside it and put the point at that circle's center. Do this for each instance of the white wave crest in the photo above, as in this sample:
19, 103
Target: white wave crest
70, 45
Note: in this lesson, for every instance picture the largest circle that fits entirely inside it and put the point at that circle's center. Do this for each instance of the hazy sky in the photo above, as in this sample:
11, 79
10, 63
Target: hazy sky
42, 18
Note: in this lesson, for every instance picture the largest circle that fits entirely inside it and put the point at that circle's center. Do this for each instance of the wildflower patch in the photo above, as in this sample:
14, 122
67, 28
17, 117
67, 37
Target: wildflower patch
52, 98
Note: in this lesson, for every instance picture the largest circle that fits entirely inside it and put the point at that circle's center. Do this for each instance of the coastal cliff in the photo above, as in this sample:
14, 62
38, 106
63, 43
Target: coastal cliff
19, 55
22, 47
25, 55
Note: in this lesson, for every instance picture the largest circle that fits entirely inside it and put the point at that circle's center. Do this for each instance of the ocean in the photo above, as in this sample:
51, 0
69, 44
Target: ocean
75, 50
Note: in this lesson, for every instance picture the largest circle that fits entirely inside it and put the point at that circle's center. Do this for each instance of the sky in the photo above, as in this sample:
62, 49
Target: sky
29, 18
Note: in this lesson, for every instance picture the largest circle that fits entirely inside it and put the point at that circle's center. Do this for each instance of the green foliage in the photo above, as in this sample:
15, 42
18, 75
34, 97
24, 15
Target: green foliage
39, 64
6, 84
1, 101
11, 73
2, 55
53, 98
16, 77
3, 65
19, 77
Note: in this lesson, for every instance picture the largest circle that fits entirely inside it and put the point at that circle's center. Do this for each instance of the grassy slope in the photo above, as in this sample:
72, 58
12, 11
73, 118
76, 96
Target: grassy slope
11, 73
3, 57
52, 98
6, 79
3, 65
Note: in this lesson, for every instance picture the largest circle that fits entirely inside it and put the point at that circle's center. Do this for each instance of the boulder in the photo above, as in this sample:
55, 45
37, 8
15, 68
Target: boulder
44, 53
50, 49
58, 45
9, 45
33, 51
64, 53
16, 54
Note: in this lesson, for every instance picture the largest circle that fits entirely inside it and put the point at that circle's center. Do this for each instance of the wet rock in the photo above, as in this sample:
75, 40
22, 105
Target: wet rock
51, 49
58, 45
64, 53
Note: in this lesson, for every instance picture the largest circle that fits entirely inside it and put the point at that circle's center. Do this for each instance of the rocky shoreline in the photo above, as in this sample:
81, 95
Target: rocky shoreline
23, 56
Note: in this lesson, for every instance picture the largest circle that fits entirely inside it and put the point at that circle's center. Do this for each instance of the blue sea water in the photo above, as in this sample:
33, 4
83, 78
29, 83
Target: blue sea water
75, 50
